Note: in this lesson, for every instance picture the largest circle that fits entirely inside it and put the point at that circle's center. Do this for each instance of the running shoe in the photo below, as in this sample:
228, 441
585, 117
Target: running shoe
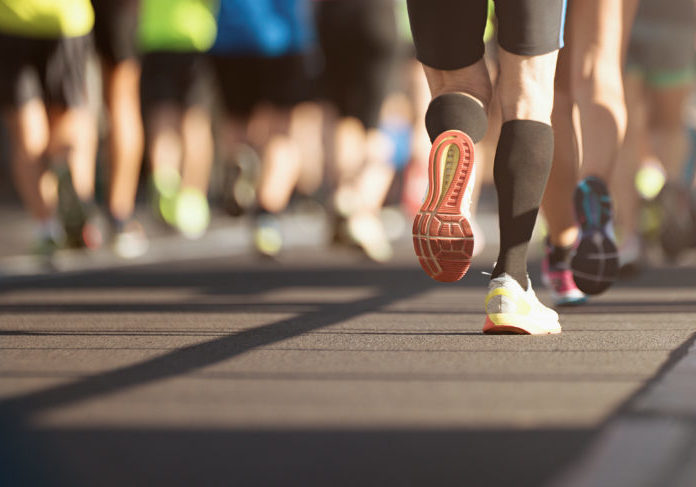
240, 180
676, 222
129, 239
72, 213
95, 229
166, 182
267, 235
50, 237
595, 264
512, 310
191, 213
559, 280
442, 235
367, 231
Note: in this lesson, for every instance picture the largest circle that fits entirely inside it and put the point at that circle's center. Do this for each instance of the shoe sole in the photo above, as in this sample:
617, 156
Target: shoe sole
442, 236
595, 264
514, 325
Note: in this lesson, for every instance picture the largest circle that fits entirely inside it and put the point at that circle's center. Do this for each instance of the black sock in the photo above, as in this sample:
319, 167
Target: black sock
522, 164
560, 256
456, 111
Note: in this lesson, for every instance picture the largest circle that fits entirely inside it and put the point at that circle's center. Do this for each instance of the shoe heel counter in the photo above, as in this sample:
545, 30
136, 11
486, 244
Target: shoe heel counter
501, 303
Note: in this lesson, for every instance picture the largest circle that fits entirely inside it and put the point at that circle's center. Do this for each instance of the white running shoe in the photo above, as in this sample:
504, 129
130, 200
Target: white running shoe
511, 309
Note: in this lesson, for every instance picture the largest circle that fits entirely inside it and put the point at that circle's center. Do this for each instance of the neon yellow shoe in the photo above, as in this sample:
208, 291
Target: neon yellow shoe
512, 310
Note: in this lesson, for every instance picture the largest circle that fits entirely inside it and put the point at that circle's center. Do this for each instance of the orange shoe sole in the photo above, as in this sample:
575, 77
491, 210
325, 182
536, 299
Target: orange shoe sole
442, 236
491, 328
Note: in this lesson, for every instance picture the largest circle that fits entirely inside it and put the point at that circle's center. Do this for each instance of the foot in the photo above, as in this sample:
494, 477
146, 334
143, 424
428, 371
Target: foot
367, 231
191, 213
512, 310
95, 229
676, 223
129, 239
595, 265
240, 181
442, 236
558, 279
267, 237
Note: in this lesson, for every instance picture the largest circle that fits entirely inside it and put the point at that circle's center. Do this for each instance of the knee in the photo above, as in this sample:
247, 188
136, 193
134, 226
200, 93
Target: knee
602, 86
534, 103
32, 145
526, 87
30, 132
473, 81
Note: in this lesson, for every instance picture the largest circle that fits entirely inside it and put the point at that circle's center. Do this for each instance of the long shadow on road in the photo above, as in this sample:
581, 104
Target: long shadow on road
142, 456
459, 457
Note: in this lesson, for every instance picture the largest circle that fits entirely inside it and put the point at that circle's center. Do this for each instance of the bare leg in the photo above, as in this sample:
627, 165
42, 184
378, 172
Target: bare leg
667, 129
557, 204
473, 81
29, 128
165, 145
622, 187
125, 136
524, 85
349, 155
306, 121
197, 149
74, 133
280, 164
597, 51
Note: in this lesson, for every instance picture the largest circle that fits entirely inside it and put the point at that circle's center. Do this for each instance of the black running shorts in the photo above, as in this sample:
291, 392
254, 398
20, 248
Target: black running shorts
358, 39
282, 81
52, 70
115, 27
448, 34
176, 78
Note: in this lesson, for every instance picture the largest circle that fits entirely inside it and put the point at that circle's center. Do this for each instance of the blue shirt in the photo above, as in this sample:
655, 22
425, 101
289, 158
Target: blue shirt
266, 28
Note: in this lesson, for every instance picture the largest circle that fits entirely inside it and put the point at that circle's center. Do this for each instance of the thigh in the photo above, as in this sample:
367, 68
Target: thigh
600, 32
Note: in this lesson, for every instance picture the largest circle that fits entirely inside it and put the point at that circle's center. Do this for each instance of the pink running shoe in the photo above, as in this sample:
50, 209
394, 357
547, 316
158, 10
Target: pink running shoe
560, 282
442, 235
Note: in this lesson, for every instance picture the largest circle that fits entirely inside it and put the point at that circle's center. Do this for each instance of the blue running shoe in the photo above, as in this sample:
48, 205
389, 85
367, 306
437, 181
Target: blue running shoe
595, 265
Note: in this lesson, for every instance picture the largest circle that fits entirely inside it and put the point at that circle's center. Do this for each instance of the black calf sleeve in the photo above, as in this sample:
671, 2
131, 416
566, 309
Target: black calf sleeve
458, 112
560, 256
522, 165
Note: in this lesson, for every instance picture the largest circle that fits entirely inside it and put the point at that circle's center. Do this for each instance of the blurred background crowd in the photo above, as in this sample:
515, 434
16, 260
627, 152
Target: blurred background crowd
247, 109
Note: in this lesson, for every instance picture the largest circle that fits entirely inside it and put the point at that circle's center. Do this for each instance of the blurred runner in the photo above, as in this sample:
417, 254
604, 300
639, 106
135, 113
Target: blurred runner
115, 28
173, 35
448, 36
265, 60
44, 48
659, 79
359, 39
589, 75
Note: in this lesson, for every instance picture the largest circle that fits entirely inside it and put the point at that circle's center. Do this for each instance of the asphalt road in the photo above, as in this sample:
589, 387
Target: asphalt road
323, 369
